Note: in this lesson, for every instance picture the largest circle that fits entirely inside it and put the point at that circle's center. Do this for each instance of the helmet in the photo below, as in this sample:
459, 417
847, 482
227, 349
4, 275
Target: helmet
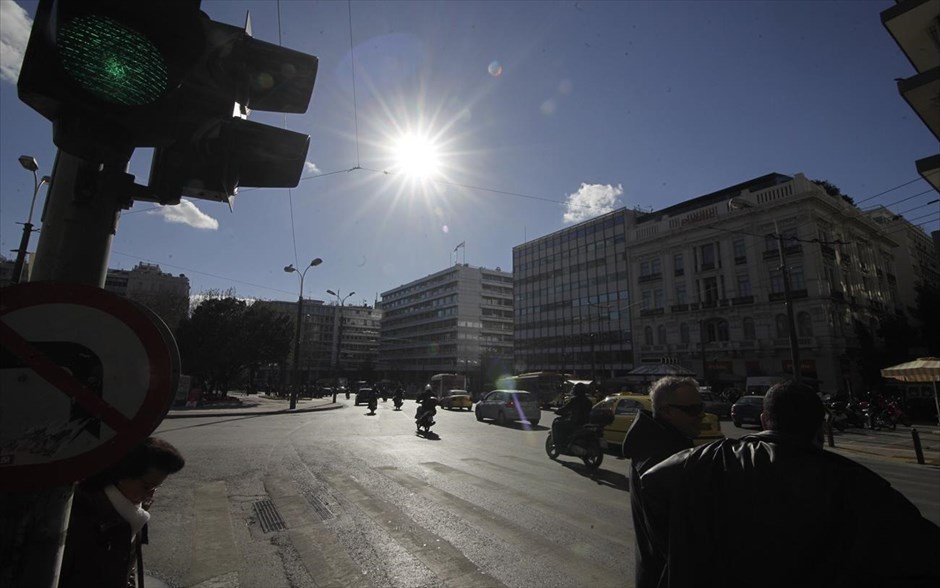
580, 390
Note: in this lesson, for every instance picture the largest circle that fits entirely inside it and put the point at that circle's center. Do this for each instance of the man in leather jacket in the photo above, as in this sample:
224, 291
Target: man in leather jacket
676, 420
813, 517
575, 414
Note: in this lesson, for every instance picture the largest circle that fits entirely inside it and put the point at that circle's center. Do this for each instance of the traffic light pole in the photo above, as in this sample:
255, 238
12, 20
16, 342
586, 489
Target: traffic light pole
79, 222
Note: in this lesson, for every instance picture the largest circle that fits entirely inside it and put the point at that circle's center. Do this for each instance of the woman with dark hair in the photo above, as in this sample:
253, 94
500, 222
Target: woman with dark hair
109, 517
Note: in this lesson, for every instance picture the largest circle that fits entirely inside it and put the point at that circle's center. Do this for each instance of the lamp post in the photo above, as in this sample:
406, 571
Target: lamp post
737, 204
334, 356
300, 306
29, 163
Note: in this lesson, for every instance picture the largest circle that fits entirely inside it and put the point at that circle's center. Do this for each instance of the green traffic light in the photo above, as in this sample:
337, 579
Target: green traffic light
111, 61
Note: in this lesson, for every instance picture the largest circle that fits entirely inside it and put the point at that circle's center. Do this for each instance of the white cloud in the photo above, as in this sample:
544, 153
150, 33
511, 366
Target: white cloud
592, 200
188, 214
15, 25
311, 168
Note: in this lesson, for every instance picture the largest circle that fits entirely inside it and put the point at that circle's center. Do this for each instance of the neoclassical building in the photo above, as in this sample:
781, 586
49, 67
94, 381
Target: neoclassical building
701, 283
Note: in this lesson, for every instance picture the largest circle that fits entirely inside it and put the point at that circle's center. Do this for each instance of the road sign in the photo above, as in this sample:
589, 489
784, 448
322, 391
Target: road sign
85, 375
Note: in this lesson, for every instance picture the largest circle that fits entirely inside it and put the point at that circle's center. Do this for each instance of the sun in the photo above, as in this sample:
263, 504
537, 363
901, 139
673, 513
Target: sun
417, 157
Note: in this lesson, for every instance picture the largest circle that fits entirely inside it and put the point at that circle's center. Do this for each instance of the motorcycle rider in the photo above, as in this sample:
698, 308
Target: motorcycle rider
575, 413
427, 400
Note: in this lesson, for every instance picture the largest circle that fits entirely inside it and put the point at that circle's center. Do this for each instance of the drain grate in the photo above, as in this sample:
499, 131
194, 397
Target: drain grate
322, 509
268, 516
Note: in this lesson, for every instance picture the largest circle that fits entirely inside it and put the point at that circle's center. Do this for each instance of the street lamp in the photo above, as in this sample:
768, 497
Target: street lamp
29, 163
300, 305
334, 356
737, 204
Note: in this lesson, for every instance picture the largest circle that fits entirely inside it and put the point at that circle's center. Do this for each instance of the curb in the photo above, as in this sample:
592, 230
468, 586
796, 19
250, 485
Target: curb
247, 411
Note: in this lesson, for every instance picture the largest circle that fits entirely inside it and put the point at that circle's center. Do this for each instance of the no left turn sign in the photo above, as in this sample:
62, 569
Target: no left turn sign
85, 375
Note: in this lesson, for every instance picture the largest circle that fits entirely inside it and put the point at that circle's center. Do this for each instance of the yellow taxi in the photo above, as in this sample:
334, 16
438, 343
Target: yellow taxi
456, 399
621, 409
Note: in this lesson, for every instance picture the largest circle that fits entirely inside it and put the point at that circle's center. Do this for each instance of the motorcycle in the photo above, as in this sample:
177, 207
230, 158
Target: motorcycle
425, 417
894, 414
373, 404
588, 443
398, 402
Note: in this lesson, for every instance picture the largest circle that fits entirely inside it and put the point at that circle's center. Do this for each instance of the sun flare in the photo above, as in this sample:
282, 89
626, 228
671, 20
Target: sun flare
417, 157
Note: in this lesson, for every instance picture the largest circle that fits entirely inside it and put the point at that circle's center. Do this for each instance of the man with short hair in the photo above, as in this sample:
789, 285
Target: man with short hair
776, 509
676, 420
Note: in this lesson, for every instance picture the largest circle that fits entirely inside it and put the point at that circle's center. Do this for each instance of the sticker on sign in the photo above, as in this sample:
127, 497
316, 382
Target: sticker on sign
85, 375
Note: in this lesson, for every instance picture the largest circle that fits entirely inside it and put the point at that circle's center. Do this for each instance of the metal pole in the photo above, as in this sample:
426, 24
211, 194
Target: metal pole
74, 246
27, 231
794, 341
300, 310
21, 253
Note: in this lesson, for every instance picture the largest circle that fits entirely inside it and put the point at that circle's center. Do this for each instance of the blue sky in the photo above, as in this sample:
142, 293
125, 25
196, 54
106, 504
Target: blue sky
543, 113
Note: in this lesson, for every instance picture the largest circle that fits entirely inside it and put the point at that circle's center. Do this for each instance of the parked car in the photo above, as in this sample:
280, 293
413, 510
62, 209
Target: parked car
747, 409
506, 406
456, 399
625, 407
715, 405
363, 395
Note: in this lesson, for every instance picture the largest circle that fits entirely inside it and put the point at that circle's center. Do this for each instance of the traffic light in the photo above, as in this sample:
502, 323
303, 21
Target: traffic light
114, 75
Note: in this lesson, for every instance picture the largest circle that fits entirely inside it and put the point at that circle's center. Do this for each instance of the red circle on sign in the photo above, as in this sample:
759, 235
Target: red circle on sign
154, 407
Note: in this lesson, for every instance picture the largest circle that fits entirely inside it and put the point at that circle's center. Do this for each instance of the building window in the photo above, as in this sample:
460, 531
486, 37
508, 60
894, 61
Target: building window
647, 299
804, 324
796, 278
770, 243
708, 256
678, 264
659, 300
680, 294
716, 330
661, 334
776, 281
783, 329
749, 333
710, 290
648, 335
684, 333
744, 285
740, 251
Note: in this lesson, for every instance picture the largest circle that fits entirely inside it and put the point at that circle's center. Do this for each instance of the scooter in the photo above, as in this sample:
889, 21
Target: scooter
373, 404
425, 418
588, 443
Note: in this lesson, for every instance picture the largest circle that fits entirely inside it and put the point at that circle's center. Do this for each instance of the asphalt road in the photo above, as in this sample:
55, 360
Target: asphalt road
339, 498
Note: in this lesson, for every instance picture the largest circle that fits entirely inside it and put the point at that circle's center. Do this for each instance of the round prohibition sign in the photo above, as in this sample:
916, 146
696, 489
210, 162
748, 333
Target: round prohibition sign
85, 375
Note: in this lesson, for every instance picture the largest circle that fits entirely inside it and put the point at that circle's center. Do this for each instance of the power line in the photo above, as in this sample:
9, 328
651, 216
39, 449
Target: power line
194, 271
889, 190
899, 201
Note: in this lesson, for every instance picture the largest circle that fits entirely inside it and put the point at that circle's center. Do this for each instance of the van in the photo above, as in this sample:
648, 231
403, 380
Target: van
759, 385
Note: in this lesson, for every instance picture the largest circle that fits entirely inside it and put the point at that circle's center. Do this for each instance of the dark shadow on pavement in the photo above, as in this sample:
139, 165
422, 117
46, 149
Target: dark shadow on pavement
601, 476
430, 435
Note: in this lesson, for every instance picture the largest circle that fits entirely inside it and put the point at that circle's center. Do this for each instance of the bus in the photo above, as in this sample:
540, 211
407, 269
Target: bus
547, 387
441, 383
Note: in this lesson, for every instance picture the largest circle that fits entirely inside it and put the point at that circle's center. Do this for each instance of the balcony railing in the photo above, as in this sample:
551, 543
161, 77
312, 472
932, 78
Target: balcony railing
652, 311
650, 277
742, 300
679, 308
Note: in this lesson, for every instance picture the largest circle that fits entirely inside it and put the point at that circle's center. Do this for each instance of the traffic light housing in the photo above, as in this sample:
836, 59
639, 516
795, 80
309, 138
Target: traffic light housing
114, 75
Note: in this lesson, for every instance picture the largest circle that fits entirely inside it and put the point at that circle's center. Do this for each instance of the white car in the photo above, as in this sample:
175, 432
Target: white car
507, 406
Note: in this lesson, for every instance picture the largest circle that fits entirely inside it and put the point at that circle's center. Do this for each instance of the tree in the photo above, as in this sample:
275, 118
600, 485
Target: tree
928, 315
833, 190
225, 336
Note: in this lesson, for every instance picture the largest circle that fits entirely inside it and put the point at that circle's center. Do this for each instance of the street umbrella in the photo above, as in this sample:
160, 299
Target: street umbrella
923, 369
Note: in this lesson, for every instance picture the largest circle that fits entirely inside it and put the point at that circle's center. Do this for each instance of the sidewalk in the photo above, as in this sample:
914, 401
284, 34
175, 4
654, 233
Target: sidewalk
896, 445
254, 405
